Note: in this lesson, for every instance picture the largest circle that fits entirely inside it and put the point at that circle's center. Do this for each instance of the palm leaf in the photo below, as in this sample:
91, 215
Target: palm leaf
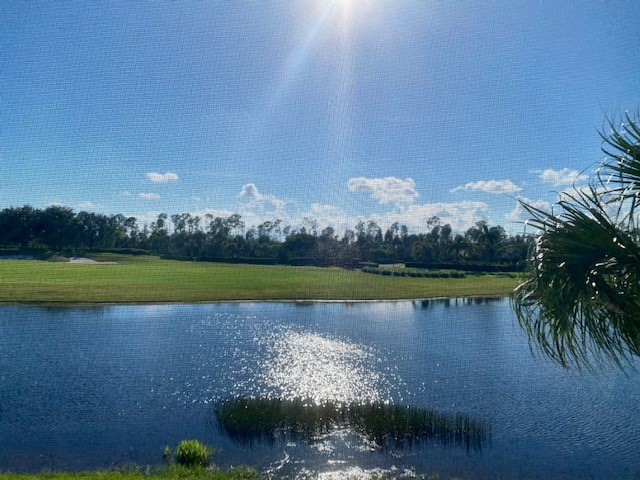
580, 301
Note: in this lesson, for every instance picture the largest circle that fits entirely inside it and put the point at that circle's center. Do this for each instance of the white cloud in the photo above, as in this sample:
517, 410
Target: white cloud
386, 190
490, 186
214, 212
77, 207
144, 218
250, 192
256, 207
162, 177
562, 177
520, 214
460, 215
253, 198
87, 205
148, 196
143, 195
329, 215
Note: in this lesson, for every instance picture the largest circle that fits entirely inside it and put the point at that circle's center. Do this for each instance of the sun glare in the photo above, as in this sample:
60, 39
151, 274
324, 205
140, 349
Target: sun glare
346, 9
345, 4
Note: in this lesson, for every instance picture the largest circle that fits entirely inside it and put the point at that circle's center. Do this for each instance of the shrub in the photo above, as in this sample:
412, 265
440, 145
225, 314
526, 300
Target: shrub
57, 258
368, 264
193, 453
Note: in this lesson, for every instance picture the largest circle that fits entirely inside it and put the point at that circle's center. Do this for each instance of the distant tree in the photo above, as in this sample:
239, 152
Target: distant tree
58, 228
374, 234
310, 225
179, 221
328, 233
461, 247
422, 251
17, 226
265, 230
159, 236
299, 245
89, 229
236, 224
183, 235
391, 235
485, 241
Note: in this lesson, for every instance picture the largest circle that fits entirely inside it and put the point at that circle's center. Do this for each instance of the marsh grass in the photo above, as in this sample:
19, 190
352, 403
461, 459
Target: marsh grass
385, 425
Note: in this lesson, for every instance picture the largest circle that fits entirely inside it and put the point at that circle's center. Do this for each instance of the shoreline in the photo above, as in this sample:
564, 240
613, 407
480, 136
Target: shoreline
45, 303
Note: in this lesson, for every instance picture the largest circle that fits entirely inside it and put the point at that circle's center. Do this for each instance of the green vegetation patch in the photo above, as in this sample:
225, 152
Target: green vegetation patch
173, 472
414, 272
147, 279
250, 419
192, 453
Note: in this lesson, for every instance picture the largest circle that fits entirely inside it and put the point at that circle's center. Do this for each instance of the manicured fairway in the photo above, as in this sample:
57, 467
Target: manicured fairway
151, 279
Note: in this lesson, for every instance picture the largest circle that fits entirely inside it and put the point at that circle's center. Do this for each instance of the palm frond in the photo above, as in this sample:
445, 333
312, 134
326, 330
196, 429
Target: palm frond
621, 172
580, 302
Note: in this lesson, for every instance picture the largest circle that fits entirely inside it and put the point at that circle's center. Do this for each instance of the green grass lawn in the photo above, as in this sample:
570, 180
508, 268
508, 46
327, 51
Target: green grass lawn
151, 279
170, 473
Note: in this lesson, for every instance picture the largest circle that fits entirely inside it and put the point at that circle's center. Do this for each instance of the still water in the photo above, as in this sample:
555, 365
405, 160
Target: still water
103, 386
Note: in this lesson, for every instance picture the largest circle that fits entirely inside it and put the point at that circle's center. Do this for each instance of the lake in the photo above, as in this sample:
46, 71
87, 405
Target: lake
97, 387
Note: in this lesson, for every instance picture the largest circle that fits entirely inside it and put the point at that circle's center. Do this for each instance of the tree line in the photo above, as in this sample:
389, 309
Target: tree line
194, 237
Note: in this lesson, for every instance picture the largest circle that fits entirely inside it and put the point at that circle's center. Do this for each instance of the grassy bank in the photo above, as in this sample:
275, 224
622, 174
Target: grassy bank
171, 473
166, 474
151, 279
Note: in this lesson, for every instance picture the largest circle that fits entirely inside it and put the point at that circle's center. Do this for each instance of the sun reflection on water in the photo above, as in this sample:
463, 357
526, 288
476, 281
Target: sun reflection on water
320, 368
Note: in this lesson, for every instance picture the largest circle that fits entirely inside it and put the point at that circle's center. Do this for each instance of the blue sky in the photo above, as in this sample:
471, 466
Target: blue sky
340, 110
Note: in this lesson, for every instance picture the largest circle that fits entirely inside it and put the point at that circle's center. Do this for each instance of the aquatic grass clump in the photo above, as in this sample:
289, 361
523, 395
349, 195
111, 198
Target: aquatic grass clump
192, 453
385, 425
248, 419
403, 425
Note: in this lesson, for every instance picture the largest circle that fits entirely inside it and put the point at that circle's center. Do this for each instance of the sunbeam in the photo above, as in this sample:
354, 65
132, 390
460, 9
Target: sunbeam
301, 53
339, 14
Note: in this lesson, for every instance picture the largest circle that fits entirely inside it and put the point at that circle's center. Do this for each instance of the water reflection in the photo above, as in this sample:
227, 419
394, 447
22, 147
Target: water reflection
321, 368
454, 302
383, 425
